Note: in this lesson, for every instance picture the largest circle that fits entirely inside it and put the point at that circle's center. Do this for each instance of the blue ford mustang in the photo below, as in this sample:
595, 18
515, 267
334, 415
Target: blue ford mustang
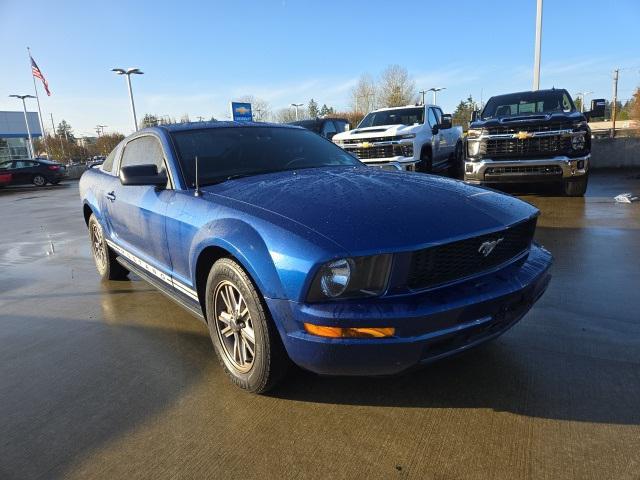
292, 251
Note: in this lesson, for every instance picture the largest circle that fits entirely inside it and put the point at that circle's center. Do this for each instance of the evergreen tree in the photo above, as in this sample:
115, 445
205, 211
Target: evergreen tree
312, 107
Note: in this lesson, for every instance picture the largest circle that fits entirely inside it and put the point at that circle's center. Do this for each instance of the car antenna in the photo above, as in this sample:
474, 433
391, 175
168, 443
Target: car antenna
197, 193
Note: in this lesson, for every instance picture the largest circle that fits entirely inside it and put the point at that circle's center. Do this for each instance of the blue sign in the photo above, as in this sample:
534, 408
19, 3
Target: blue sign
241, 112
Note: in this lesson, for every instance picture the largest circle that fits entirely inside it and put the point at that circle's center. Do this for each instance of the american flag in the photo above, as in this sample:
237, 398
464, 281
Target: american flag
38, 74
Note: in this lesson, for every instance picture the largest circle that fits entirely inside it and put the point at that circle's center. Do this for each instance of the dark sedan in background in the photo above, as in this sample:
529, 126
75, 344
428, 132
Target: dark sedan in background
325, 127
36, 170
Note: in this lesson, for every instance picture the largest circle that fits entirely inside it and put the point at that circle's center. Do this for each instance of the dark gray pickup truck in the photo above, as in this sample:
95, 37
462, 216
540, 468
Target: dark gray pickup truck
531, 137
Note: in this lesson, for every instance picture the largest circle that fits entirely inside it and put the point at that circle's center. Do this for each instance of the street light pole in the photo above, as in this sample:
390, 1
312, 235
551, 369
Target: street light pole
128, 72
296, 105
435, 90
32, 153
583, 97
422, 92
536, 59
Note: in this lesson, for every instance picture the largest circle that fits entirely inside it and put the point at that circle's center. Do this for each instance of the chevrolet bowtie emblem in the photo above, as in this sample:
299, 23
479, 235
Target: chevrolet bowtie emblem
366, 144
523, 135
487, 247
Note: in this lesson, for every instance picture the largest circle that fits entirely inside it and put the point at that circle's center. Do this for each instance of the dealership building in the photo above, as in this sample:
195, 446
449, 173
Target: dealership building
14, 140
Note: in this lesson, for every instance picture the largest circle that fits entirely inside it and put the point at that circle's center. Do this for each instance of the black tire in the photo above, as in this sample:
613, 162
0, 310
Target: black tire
426, 162
105, 259
575, 188
257, 371
456, 168
39, 180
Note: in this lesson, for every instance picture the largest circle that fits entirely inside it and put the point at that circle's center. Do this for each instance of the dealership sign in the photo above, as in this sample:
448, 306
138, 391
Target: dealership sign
241, 112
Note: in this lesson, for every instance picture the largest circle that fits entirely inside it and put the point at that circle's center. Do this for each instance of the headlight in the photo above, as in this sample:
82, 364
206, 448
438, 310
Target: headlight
473, 147
474, 132
351, 277
577, 141
338, 142
408, 135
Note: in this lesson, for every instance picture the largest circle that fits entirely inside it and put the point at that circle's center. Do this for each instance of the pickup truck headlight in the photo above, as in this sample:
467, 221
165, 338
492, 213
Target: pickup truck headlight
473, 147
474, 132
408, 135
577, 141
350, 277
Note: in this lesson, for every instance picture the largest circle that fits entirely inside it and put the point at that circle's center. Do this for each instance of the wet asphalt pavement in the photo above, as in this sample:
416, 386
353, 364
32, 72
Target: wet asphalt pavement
115, 381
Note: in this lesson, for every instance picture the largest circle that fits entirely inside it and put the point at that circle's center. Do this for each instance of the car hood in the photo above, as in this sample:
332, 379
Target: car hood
368, 210
381, 131
529, 120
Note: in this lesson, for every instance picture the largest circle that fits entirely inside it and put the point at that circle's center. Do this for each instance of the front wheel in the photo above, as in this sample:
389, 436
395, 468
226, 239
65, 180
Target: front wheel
456, 168
575, 188
244, 336
426, 162
106, 263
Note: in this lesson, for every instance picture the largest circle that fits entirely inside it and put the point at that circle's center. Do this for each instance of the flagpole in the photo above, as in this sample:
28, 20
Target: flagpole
35, 87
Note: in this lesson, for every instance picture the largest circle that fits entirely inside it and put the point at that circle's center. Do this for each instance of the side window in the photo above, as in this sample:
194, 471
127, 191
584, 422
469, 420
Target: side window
107, 165
328, 129
143, 151
433, 121
438, 115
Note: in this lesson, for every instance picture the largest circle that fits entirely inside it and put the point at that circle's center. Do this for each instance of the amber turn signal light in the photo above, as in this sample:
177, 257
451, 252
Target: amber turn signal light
350, 332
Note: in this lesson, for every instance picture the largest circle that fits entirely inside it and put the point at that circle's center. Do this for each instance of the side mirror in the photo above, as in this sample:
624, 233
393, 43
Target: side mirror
143, 175
474, 115
597, 108
445, 122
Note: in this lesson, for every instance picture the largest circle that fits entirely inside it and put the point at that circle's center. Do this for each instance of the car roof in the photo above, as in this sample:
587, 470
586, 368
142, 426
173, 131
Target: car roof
524, 92
181, 127
315, 121
404, 106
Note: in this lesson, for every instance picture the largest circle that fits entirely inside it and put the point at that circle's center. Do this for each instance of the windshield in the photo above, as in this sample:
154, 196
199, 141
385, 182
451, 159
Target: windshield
546, 101
400, 116
241, 151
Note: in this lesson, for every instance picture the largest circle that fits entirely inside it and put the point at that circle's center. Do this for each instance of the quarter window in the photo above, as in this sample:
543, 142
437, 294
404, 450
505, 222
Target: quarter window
143, 151
107, 165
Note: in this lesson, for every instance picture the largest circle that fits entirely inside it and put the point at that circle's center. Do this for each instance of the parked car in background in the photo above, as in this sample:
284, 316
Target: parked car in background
531, 137
36, 170
291, 250
326, 127
414, 137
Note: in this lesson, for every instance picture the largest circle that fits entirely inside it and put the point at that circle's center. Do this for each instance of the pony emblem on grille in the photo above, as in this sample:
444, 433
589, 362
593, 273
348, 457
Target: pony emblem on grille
487, 247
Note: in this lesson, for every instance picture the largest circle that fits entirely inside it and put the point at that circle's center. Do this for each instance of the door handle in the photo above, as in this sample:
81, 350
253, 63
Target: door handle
111, 196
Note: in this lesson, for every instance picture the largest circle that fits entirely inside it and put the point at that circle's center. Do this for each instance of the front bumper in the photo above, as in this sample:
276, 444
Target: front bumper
392, 163
525, 171
429, 325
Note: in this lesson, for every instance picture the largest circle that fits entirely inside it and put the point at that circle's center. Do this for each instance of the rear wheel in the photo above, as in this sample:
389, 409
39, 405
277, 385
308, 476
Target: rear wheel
575, 188
106, 263
39, 180
244, 336
456, 168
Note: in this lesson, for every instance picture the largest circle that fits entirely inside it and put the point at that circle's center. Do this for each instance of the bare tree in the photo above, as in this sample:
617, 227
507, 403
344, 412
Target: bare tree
396, 87
288, 114
363, 95
260, 108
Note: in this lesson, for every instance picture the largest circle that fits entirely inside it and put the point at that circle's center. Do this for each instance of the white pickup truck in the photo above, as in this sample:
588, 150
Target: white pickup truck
414, 137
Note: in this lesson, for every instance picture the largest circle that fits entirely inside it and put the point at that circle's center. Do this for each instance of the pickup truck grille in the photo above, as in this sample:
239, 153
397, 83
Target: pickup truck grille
384, 151
532, 147
446, 263
533, 128
370, 139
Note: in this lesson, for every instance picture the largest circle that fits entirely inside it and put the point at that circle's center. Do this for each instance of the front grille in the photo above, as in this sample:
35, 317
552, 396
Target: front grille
532, 147
349, 141
453, 261
526, 170
529, 128
384, 151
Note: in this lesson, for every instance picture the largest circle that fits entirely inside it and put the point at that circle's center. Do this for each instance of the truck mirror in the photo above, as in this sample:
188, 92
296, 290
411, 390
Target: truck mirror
474, 115
445, 122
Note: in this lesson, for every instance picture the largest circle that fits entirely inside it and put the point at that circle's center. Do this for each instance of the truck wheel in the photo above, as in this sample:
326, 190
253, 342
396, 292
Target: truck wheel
426, 162
456, 168
244, 336
106, 263
575, 188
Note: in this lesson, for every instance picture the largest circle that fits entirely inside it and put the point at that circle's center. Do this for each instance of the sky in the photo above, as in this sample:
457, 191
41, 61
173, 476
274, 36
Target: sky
199, 55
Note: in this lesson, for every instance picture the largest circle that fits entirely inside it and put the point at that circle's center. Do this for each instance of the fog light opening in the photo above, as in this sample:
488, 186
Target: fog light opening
349, 332
468, 168
580, 164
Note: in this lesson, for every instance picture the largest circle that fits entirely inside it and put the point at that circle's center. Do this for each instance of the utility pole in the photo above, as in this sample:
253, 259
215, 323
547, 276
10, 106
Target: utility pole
423, 92
615, 101
536, 59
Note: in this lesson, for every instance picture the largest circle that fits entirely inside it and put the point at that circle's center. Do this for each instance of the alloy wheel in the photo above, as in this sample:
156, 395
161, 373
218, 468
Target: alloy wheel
234, 326
97, 246
39, 180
